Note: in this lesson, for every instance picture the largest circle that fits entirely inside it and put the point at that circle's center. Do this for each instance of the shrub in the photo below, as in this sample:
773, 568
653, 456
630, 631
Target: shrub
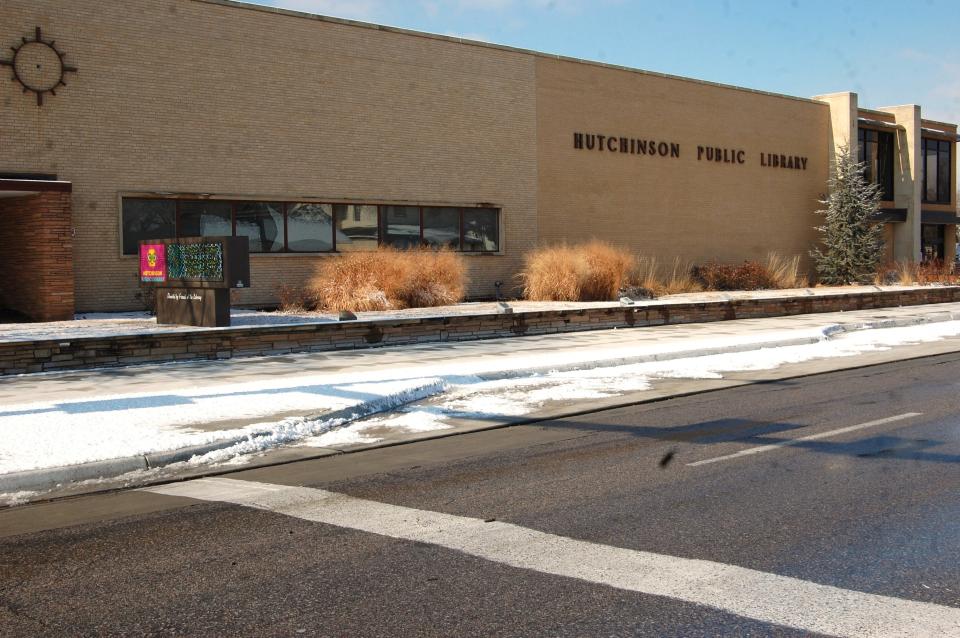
388, 279
750, 275
433, 278
295, 300
936, 271
908, 273
595, 271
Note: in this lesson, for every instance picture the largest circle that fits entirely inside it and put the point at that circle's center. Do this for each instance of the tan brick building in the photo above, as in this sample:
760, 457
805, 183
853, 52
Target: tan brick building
314, 136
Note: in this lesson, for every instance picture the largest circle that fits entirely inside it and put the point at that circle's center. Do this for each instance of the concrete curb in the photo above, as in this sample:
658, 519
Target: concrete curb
45, 479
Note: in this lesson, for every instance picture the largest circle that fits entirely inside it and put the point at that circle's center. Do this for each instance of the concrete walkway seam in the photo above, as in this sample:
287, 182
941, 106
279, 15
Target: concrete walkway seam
43, 479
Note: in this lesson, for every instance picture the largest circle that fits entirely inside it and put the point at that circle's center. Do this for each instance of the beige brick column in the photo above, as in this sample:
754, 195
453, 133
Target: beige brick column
843, 121
906, 181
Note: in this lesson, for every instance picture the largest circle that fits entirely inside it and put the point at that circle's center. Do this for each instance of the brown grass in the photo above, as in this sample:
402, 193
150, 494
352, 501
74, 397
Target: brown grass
664, 279
936, 271
784, 272
909, 273
595, 271
388, 279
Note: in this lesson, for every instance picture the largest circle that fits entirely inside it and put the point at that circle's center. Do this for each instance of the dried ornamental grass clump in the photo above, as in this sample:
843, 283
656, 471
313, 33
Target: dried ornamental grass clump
784, 272
433, 278
389, 279
595, 271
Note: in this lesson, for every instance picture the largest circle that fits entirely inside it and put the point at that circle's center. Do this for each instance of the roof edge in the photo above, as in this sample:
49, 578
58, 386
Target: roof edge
237, 4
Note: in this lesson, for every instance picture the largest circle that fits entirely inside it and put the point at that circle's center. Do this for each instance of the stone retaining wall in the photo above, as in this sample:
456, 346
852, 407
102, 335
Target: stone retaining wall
224, 343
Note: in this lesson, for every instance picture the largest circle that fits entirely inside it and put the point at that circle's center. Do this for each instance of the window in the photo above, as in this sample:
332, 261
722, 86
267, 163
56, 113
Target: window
936, 170
147, 219
441, 227
309, 228
356, 227
262, 222
875, 152
400, 226
205, 219
932, 242
481, 230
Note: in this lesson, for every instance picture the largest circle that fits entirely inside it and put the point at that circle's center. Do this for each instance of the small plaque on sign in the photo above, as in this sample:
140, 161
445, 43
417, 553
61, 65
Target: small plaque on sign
153, 262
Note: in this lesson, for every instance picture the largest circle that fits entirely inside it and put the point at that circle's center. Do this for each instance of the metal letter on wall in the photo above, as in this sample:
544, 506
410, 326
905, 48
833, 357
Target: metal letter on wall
38, 66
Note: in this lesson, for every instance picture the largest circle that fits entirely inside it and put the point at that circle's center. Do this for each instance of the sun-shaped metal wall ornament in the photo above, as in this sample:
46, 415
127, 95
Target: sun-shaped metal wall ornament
38, 66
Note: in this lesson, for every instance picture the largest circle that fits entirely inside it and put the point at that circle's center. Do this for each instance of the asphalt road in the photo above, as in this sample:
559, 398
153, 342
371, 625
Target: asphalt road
868, 510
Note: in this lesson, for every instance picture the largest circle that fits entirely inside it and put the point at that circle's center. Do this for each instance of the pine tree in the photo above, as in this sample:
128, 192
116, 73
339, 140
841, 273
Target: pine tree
852, 243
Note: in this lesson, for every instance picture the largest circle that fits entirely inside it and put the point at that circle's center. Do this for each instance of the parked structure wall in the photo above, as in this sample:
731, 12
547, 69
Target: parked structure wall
688, 204
215, 99
203, 97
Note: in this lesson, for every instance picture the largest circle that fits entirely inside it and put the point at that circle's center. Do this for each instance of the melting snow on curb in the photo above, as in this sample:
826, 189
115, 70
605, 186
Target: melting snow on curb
41, 435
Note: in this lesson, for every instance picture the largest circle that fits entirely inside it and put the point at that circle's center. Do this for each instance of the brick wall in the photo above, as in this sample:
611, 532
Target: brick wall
276, 106
36, 256
224, 343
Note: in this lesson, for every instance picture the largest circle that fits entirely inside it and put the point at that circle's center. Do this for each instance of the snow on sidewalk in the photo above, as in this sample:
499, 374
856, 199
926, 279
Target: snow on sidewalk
514, 397
53, 434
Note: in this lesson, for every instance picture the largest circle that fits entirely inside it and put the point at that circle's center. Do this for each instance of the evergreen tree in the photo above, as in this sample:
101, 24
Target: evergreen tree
852, 243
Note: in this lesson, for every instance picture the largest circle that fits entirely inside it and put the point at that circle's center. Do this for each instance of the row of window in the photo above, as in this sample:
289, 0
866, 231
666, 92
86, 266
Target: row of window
936, 170
876, 151
308, 227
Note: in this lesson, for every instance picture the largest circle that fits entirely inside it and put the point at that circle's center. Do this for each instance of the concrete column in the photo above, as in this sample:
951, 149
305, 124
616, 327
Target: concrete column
843, 121
907, 188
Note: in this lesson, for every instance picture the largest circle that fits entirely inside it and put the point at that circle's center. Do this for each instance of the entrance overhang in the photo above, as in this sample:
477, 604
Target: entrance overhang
22, 187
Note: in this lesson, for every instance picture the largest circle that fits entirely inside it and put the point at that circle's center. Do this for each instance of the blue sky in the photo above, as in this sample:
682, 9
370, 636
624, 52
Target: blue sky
889, 53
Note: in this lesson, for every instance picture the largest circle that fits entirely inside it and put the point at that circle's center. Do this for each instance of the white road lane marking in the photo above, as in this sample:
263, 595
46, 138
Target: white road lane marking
770, 598
812, 437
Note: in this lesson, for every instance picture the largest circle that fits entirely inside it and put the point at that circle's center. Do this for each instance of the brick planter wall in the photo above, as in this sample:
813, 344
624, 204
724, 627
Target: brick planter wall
224, 343
36, 258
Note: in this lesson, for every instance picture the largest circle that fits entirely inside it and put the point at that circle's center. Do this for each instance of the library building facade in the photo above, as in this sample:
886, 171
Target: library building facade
315, 136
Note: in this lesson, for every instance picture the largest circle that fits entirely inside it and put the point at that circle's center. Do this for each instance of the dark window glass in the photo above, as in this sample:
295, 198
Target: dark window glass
937, 177
441, 227
930, 170
932, 241
943, 174
262, 222
400, 226
309, 227
356, 227
147, 219
875, 151
205, 218
885, 150
481, 230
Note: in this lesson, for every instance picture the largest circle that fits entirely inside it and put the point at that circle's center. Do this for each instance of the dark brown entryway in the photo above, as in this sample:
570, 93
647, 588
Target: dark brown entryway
36, 250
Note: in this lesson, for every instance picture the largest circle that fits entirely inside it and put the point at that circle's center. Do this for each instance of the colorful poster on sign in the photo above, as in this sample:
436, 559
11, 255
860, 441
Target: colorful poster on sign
153, 262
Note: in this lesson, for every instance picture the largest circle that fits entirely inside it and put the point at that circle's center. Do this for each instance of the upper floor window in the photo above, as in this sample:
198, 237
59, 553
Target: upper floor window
875, 152
936, 170
299, 227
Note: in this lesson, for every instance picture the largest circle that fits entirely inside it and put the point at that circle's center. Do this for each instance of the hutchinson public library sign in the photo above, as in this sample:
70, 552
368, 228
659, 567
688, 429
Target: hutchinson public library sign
637, 146
400, 138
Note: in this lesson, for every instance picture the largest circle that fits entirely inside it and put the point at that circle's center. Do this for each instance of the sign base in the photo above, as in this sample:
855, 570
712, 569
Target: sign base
203, 307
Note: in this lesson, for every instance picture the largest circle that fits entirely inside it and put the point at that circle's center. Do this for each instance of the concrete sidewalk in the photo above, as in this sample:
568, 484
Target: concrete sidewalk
415, 372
